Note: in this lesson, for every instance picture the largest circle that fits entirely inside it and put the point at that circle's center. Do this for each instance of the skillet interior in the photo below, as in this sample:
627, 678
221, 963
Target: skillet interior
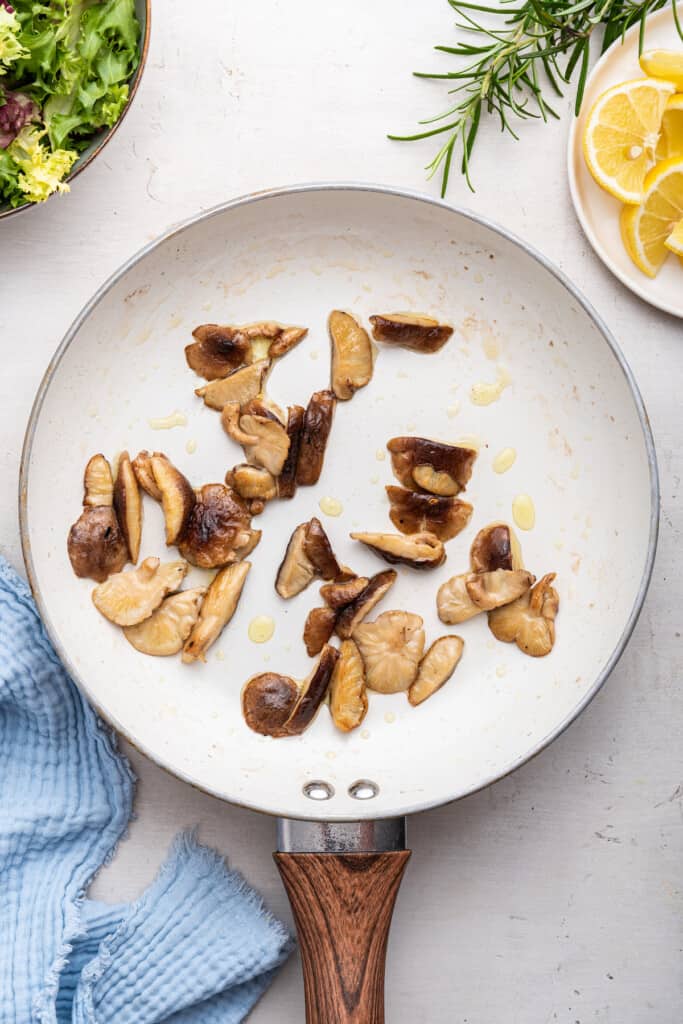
584, 455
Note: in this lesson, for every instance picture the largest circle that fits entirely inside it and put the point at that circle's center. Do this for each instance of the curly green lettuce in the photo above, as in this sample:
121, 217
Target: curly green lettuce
10, 47
75, 60
40, 171
81, 58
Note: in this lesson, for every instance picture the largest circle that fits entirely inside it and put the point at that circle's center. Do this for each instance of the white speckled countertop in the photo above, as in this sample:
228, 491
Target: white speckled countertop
555, 895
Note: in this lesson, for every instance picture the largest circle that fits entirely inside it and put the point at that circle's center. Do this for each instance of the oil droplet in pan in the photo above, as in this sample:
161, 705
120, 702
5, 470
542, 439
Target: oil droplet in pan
486, 393
261, 629
523, 512
504, 460
174, 419
330, 506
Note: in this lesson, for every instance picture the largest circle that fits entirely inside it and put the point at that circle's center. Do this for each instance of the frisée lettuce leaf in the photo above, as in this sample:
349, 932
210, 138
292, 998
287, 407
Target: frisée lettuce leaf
10, 47
40, 171
73, 59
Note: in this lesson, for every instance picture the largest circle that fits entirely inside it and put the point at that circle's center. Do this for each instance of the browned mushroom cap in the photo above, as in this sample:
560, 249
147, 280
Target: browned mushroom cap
412, 512
142, 467
351, 354
239, 386
251, 482
313, 691
268, 700
453, 603
436, 668
96, 545
370, 596
314, 434
98, 484
217, 526
286, 484
340, 593
218, 607
128, 505
177, 496
391, 648
217, 350
309, 554
166, 630
418, 550
319, 550
530, 620
127, 598
348, 694
492, 589
495, 547
410, 330
433, 466
262, 436
318, 629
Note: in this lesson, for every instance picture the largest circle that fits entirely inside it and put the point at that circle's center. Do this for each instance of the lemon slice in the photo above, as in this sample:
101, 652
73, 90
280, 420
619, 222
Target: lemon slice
675, 240
671, 136
621, 135
666, 64
646, 228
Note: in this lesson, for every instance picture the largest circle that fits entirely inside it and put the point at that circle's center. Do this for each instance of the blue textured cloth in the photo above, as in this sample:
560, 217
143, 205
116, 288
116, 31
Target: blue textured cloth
197, 948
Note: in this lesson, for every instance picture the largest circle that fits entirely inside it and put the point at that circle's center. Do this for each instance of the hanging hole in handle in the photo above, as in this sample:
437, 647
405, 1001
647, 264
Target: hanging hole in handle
364, 789
318, 790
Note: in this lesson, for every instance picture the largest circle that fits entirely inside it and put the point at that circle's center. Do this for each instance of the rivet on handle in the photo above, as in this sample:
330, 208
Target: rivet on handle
318, 790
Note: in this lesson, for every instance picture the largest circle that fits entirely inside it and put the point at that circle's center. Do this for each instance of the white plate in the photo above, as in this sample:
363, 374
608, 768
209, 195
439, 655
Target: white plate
572, 412
597, 210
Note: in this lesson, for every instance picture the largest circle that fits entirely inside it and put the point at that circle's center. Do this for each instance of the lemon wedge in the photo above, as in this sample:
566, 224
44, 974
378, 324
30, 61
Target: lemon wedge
671, 136
647, 228
621, 135
675, 240
666, 64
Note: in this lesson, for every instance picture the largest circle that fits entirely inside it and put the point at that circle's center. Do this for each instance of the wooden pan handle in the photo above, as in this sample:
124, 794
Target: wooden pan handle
342, 905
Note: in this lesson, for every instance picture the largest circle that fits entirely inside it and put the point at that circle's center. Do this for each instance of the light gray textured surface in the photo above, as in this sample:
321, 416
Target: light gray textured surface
555, 896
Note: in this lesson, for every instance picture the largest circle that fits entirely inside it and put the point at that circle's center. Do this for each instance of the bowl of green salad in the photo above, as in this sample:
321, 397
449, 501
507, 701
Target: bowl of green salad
68, 72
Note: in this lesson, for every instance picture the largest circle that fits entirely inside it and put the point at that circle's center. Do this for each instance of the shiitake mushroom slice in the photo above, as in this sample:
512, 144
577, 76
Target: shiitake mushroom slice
418, 550
241, 385
413, 331
433, 466
128, 505
414, 512
314, 435
218, 528
177, 495
286, 482
352, 354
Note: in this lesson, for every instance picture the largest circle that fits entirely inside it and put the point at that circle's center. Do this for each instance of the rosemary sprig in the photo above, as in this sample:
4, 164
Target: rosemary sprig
517, 54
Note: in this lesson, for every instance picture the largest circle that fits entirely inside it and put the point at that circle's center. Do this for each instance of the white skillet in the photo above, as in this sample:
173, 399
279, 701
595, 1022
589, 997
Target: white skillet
572, 412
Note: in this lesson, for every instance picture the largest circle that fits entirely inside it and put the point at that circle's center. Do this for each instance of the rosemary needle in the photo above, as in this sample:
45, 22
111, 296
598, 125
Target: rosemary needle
515, 56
